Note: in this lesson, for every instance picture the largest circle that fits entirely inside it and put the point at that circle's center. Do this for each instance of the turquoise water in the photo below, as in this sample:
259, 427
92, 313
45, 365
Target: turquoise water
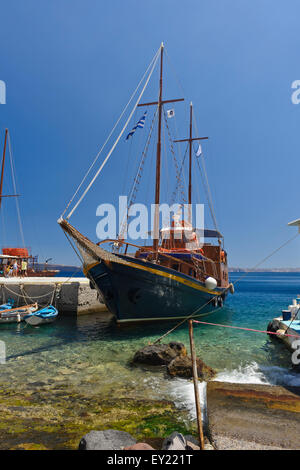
92, 356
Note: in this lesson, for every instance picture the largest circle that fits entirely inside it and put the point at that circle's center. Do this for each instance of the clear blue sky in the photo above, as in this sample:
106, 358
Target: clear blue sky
70, 66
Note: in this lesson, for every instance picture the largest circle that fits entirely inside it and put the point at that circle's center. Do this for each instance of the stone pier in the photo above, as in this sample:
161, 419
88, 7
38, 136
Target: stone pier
73, 296
253, 417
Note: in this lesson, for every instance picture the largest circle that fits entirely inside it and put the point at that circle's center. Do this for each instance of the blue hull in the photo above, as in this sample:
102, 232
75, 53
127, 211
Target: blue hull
46, 315
140, 291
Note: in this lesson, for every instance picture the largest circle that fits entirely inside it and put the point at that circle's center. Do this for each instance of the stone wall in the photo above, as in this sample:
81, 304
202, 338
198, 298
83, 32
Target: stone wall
73, 296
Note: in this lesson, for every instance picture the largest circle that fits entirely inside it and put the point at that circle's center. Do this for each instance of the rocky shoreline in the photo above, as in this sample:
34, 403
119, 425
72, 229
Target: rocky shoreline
53, 415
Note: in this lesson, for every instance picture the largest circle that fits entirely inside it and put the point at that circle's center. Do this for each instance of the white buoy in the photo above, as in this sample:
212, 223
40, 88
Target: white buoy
210, 283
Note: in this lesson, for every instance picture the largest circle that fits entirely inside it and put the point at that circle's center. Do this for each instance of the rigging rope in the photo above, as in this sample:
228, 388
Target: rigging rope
15, 189
206, 182
217, 295
136, 181
118, 138
179, 184
245, 329
207, 193
109, 136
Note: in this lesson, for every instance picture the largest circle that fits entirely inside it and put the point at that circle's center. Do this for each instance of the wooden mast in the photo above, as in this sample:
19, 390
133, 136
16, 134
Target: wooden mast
190, 141
158, 156
190, 163
160, 104
3, 162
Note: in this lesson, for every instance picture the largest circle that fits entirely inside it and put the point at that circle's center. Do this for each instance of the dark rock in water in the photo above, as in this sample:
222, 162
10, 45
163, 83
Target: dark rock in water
160, 354
182, 366
175, 441
273, 326
139, 446
109, 439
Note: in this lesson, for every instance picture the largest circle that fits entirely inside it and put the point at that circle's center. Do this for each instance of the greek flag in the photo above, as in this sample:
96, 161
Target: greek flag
140, 124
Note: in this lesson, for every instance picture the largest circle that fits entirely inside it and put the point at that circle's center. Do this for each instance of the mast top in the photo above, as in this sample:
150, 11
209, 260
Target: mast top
162, 45
295, 223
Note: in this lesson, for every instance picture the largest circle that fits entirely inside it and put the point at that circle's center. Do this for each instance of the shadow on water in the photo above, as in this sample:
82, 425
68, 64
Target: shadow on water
36, 351
153, 330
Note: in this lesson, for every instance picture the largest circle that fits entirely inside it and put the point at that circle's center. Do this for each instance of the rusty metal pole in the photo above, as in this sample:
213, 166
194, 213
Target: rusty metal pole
196, 389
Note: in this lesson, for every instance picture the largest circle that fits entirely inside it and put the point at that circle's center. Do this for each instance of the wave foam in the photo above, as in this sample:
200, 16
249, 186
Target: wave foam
183, 396
182, 391
254, 373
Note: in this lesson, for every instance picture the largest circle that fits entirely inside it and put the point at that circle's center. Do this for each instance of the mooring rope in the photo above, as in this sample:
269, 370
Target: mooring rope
24, 294
218, 295
246, 329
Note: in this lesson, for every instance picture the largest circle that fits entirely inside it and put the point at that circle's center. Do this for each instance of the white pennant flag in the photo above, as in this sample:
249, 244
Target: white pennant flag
199, 151
170, 113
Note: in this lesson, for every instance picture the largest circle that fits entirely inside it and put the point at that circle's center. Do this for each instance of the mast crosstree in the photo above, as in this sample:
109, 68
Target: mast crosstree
190, 140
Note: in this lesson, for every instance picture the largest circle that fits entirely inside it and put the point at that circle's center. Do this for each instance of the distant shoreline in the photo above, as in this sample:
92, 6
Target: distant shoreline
265, 270
63, 267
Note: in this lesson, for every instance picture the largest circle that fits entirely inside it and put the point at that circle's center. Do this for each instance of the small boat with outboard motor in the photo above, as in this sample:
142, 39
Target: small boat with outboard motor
17, 314
40, 317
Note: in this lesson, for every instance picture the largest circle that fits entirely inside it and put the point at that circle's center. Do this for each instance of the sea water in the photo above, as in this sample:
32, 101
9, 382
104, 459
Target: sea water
93, 356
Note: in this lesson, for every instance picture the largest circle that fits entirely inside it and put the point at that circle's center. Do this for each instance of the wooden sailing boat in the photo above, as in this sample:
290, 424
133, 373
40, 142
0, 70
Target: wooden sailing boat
164, 281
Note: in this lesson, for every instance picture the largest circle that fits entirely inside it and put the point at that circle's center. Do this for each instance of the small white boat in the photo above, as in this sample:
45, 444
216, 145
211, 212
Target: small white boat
40, 317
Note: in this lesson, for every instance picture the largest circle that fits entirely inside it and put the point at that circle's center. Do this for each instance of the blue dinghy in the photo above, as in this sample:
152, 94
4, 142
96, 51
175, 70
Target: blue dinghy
45, 315
9, 305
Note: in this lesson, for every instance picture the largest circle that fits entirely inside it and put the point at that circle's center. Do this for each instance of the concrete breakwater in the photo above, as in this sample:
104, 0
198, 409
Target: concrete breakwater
71, 296
246, 416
